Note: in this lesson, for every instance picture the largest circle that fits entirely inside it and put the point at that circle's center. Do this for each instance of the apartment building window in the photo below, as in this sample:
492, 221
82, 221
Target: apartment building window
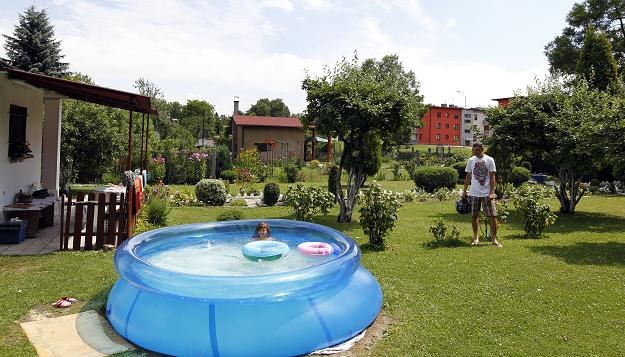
475, 116
468, 131
446, 115
455, 116
438, 136
455, 126
486, 128
446, 137
467, 115
455, 137
447, 126
438, 125
438, 114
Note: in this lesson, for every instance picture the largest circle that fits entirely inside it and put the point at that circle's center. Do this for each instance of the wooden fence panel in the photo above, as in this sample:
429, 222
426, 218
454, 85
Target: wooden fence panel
99, 236
80, 198
110, 218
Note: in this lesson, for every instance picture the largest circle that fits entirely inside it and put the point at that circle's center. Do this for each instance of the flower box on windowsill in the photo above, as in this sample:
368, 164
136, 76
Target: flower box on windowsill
15, 158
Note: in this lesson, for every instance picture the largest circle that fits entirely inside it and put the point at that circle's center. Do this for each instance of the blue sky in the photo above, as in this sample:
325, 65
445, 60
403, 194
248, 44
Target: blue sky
215, 50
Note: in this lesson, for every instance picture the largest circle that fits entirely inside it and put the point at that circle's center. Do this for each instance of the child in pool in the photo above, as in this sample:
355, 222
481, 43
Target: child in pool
262, 232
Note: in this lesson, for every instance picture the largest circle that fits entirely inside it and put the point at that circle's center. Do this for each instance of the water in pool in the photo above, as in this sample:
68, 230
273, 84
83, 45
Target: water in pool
208, 256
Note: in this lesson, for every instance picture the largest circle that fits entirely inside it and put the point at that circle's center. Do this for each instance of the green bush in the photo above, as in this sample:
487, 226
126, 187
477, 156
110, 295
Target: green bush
306, 202
223, 160
109, 177
230, 215
212, 192
228, 175
239, 202
158, 210
378, 212
519, 175
537, 216
431, 178
292, 172
527, 165
441, 237
271, 194
460, 166
594, 182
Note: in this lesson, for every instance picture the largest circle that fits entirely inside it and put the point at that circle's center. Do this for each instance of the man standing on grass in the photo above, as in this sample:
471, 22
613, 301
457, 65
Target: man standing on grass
481, 175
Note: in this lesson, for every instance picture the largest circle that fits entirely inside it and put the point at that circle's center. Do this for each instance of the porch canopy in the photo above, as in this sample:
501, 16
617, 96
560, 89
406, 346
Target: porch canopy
94, 94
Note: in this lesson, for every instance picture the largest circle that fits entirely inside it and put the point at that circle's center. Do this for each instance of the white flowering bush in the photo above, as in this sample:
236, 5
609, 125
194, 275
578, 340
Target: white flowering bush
378, 212
307, 202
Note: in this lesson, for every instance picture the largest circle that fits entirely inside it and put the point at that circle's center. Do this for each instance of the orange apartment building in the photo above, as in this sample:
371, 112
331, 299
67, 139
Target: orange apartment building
441, 125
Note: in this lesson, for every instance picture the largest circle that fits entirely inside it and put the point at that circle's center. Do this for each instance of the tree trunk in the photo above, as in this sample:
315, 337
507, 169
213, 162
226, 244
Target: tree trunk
568, 200
355, 180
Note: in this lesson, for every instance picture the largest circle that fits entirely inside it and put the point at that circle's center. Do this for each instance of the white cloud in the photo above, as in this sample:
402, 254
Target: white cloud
317, 3
286, 5
415, 11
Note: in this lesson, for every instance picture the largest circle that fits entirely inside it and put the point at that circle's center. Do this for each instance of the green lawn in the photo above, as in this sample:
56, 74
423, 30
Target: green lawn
560, 295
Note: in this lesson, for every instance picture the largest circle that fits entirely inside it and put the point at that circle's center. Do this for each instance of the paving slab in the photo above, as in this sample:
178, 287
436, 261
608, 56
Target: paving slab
86, 334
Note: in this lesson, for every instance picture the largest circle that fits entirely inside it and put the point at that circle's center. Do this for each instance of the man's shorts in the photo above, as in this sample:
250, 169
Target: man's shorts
490, 208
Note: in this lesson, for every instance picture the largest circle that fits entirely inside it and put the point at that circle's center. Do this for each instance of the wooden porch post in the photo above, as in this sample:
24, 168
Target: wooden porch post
147, 138
314, 144
142, 162
129, 163
329, 148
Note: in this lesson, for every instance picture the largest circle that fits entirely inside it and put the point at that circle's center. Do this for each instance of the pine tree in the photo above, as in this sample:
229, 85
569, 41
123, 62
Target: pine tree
33, 47
596, 62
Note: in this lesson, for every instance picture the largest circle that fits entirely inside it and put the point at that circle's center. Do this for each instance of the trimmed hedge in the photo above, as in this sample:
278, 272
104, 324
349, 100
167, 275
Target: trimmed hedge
212, 192
271, 194
431, 178
519, 175
460, 167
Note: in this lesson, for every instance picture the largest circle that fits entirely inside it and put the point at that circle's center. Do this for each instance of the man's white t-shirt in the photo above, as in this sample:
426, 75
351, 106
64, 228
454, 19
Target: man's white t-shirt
480, 169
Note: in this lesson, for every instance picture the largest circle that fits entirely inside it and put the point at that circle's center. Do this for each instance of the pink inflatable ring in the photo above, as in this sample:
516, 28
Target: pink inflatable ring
315, 248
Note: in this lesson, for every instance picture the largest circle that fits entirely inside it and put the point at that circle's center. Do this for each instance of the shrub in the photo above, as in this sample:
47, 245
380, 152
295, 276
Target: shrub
314, 163
527, 165
158, 210
594, 182
271, 194
431, 178
230, 215
396, 167
109, 177
239, 202
212, 192
156, 168
519, 175
378, 212
306, 202
292, 172
223, 160
444, 194
528, 201
181, 199
460, 167
442, 238
229, 175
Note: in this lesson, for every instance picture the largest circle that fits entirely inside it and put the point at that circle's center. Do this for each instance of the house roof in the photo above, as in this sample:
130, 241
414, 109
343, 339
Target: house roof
251, 120
82, 91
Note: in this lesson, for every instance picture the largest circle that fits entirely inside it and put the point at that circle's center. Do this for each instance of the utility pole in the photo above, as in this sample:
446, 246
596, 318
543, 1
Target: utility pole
465, 99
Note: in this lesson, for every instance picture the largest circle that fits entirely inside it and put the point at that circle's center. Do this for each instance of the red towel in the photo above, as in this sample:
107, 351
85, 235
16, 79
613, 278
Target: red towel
138, 195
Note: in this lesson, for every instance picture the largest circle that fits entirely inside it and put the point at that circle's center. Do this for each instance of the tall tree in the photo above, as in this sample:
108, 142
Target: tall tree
366, 106
269, 108
33, 47
198, 115
162, 123
596, 63
558, 126
606, 16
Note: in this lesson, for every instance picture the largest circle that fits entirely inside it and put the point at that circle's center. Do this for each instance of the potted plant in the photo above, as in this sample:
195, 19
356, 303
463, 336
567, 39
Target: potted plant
20, 150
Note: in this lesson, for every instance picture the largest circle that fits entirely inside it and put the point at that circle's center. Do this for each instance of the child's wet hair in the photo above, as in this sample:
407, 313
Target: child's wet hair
260, 226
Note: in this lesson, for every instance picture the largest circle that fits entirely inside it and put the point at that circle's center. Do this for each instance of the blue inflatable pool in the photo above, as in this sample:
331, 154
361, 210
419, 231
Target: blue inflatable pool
189, 291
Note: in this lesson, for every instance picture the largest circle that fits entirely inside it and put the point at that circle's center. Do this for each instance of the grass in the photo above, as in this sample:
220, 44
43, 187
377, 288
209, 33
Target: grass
559, 295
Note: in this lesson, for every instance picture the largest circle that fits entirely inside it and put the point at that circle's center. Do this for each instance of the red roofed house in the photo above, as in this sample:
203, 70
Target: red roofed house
275, 137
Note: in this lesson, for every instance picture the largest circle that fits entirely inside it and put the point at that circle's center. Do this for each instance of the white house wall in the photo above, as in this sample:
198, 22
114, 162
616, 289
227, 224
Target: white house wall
15, 176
